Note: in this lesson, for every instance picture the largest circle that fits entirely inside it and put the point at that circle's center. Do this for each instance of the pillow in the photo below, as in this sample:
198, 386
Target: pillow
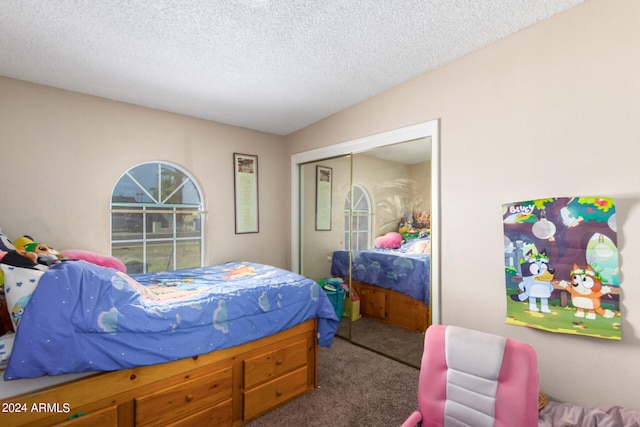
417, 246
420, 247
94, 258
19, 284
391, 240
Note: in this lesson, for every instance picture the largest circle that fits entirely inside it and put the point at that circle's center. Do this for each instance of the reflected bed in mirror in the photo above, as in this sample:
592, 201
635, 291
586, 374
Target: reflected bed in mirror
382, 187
392, 284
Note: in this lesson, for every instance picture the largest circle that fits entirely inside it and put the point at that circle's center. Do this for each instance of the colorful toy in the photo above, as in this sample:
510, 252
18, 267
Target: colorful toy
20, 258
45, 254
20, 242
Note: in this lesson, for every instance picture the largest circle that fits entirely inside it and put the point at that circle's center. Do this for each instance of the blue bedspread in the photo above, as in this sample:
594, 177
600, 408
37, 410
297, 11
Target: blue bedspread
83, 317
393, 269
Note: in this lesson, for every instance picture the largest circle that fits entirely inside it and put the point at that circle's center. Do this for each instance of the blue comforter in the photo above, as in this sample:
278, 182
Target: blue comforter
83, 317
394, 269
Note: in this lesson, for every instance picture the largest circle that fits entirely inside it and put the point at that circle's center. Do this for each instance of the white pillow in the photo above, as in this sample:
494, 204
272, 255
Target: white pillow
19, 284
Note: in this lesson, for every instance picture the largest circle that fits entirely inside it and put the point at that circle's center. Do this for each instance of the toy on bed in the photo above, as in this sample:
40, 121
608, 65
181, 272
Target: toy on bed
45, 254
413, 226
23, 262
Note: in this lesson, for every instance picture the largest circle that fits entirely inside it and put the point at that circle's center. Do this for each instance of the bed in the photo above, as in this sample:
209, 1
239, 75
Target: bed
393, 284
219, 345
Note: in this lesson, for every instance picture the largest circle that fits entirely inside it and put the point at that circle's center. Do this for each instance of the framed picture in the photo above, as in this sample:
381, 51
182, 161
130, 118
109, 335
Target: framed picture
324, 181
245, 181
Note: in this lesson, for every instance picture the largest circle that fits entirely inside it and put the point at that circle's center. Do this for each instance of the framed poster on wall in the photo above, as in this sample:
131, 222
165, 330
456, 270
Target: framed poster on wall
324, 182
245, 181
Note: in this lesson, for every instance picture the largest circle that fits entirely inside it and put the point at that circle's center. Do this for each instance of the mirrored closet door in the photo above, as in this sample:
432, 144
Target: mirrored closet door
367, 218
391, 248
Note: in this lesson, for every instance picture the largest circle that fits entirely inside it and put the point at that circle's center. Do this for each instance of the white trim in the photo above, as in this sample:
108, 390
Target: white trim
430, 129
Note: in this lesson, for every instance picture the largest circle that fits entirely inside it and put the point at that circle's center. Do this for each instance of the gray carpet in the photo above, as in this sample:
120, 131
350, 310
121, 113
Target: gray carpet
396, 342
356, 388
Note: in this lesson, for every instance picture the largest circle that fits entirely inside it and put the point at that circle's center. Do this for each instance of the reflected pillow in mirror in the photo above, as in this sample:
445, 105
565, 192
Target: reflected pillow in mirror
391, 240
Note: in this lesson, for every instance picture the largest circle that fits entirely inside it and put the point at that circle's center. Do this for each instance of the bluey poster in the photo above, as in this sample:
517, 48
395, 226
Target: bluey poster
561, 266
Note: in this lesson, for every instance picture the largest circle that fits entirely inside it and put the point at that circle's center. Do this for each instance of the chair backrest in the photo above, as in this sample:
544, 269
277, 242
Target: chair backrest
471, 378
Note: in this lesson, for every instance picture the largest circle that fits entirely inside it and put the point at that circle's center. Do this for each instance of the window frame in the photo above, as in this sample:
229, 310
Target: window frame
350, 213
159, 207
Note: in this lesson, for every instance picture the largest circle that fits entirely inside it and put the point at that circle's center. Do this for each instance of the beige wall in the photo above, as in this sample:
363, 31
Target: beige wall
550, 111
63, 152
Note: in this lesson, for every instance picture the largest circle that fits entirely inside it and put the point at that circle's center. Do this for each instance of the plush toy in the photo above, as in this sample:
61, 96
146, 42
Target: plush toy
391, 240
20, 258
94, 258
45, 254
22, 241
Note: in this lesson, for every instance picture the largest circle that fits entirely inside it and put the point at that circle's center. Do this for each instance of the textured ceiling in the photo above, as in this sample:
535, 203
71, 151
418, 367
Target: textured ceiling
269, 65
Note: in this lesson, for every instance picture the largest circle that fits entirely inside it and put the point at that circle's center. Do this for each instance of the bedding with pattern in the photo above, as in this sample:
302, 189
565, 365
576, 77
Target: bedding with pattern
82, 317
402, 269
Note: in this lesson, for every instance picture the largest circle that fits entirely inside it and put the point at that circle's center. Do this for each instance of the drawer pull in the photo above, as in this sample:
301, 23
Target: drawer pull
279, 362
188, 397
278, 393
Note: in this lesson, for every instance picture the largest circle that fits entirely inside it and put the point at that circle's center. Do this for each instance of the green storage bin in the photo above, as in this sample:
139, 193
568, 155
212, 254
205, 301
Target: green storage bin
337, 301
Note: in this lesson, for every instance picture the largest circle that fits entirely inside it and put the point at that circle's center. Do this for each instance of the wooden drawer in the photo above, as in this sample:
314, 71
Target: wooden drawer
373, 301
274, 363
107, 417
183, 399
269, 395
220, 415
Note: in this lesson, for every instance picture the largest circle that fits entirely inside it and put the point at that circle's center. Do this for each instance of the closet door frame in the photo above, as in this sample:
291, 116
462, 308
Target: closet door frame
430, 129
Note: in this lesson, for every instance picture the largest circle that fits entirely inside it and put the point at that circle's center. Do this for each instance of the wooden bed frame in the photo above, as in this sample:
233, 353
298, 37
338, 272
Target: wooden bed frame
223, 388
392, 307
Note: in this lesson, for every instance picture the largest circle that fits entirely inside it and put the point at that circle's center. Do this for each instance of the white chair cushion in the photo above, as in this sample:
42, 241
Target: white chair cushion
474, 360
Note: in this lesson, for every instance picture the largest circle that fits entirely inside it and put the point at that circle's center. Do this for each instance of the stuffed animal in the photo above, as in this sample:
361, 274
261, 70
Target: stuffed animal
20, 242
44, 253
20, 258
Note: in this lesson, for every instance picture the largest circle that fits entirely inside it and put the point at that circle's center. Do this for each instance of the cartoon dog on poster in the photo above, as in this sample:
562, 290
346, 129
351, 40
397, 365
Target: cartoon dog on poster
537, 275
586, 291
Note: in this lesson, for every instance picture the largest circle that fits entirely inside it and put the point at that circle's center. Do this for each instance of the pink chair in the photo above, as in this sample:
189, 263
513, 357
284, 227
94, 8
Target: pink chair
474, 379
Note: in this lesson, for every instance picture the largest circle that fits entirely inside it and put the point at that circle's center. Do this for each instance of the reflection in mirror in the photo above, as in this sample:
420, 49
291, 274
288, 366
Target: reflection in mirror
390, 267
317, 243
383, 183
378, 243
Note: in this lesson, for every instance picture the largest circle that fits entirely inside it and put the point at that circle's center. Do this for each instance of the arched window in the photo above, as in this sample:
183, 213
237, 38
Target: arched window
358, 224
157, 218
